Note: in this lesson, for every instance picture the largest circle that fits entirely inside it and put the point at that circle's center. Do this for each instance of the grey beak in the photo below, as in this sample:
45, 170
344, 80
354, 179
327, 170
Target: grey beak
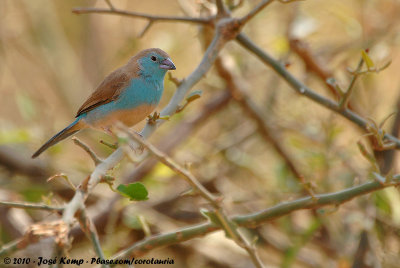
167, 64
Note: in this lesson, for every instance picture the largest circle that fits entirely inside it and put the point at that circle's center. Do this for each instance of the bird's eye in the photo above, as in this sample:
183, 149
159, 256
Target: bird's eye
153, 58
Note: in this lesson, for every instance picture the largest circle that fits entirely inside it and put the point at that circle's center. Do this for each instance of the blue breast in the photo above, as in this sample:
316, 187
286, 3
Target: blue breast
139, 92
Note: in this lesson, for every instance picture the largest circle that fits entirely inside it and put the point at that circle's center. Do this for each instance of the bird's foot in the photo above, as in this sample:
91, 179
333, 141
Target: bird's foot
152, 119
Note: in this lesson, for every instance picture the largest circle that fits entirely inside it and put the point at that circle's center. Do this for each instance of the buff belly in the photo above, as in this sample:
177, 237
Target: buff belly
101, 119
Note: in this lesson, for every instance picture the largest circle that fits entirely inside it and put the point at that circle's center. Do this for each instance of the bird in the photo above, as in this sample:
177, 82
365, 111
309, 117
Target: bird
129, 94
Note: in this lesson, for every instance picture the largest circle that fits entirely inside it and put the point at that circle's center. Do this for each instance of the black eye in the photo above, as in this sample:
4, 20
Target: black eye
153, 58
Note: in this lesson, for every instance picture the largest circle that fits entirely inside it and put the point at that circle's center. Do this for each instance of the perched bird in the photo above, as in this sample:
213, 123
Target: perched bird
129, 94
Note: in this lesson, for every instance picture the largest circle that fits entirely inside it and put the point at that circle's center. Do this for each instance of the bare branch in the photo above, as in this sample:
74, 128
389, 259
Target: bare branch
90, 230
303, 89
346, 97
146, 28
314, 64
11, 247
172, 165
226, 223
254, 219
255, 11
30, 206
110, 4
87, 149
221, 8
86, 10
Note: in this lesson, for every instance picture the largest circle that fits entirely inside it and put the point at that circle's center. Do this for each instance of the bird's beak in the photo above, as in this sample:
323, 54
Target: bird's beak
167, 64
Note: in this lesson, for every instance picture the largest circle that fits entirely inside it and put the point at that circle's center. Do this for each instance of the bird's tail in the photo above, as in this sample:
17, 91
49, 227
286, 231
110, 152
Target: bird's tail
63, 134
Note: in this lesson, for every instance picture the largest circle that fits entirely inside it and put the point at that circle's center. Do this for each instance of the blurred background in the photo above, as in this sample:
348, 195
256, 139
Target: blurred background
51, 60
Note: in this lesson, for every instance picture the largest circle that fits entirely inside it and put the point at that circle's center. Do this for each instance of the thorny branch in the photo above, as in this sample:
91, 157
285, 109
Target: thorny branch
303, 89
255, 219
226, 224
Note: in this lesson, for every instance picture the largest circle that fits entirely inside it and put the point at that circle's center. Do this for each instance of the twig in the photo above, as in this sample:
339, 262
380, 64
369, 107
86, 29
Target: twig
86, 10
254, 219
110, 145
11, 247
303, 89
171, 164
30, 206
255, 11
346, 97
90, 230
313, 64
221, 8
62, 176
146, 28
226, 223
87, 149
110, 4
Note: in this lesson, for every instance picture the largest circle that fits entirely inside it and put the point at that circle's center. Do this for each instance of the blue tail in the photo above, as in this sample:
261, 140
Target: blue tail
63, 134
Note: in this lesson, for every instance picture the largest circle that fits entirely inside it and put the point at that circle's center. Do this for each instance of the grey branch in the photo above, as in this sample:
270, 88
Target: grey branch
303, 89
225, 222
120, 12
30, 206
254, 219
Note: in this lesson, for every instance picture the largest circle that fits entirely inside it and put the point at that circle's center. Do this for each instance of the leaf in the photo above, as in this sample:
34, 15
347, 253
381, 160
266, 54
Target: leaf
367, 59
134, 191
194, 95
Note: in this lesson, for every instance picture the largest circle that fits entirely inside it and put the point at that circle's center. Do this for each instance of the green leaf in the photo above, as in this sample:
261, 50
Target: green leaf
367, 59
134, 191
194, 95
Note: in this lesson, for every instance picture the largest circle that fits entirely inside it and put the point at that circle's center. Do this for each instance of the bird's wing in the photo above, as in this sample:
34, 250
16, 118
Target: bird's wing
107, 91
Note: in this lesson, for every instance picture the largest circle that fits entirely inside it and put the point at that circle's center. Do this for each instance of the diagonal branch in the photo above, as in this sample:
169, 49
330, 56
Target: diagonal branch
225, 222
88, 227
87, 149
255, 11
303, 89
254, 219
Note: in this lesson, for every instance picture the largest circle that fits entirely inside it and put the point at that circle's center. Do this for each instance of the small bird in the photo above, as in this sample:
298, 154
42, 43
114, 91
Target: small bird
129, 94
